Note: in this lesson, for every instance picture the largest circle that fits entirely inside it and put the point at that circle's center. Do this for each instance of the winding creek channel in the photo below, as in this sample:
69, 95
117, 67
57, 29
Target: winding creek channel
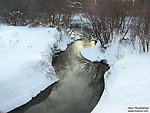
76, 91
81, 82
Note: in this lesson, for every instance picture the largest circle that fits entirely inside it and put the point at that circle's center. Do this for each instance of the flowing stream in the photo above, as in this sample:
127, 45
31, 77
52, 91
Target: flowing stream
79, 88
76, 92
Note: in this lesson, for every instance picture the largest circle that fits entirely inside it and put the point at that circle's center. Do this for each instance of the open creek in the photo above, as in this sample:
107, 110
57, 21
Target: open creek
76, 92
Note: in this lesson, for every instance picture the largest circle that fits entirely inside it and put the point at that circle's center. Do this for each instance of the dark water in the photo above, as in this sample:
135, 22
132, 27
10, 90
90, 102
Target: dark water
76, 92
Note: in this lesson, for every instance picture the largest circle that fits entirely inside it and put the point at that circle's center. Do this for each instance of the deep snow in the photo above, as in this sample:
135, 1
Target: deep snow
25, 62
127, 85
127, 82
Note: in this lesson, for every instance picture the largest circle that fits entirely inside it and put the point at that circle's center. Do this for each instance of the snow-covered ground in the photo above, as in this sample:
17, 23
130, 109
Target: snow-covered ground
127, 82
25, 62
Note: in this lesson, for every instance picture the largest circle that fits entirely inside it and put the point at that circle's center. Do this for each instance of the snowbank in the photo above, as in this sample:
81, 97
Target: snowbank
127, 83
114, 52
25, 58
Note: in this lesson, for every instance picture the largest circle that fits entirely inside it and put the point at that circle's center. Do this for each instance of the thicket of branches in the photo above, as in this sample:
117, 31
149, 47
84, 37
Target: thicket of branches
55, 13
120, 17
107, 17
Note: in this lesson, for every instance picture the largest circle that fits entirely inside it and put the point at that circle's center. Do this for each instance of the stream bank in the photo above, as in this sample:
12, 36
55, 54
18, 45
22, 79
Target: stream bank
77, 91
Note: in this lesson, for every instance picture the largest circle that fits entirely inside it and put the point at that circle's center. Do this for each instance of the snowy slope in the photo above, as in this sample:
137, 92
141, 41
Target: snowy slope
127, 83
112, 54
25, 63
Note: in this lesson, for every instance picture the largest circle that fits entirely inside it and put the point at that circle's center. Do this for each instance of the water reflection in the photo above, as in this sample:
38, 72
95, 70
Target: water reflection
75, 92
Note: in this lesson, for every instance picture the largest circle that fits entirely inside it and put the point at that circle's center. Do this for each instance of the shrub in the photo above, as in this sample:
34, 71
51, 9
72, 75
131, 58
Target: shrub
120, 17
